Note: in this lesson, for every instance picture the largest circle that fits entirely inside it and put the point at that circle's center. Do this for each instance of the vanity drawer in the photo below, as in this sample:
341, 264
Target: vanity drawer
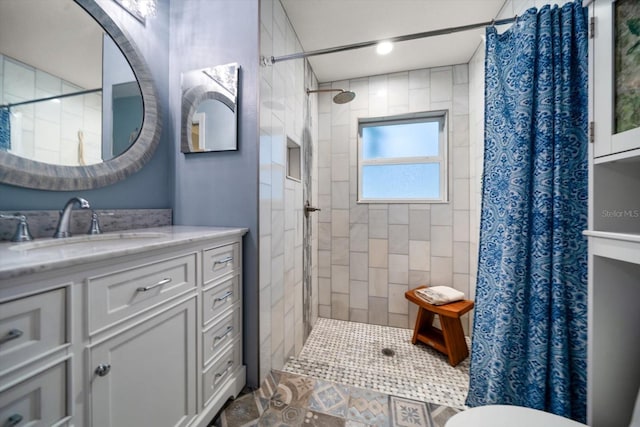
219, 298
32, 326
221, 370
217, 262
116, 296
40, 399
220, 334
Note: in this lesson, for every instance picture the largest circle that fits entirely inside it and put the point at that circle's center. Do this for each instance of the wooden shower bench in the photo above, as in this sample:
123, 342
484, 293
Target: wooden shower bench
450, 340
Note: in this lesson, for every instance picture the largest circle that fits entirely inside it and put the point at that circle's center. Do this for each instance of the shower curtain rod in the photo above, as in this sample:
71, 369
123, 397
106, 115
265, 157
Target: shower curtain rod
49, 98
414, 36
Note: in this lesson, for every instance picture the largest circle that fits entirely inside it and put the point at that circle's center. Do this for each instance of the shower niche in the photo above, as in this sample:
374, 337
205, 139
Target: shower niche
210, 109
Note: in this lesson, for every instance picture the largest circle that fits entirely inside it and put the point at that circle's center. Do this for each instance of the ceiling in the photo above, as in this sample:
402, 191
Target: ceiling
322, 24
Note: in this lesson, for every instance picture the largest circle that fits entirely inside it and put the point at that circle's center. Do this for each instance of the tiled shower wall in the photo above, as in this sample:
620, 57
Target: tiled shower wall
284, 112
370, 254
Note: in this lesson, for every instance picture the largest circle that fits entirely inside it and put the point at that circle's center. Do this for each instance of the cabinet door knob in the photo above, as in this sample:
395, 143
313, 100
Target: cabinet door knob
102, 369
13, 420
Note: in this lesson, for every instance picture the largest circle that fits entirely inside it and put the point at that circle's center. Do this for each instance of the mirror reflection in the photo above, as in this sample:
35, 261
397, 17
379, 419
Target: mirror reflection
67, 94
209, 109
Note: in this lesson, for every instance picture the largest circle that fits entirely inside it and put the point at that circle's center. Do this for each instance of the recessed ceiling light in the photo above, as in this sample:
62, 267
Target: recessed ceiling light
384, 47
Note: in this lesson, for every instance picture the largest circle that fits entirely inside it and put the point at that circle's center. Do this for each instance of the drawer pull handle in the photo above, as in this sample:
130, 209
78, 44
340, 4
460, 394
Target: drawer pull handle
102, 369
229, 365
227, 332
222, 261
160, 283
13, 420
224, 297
11, 335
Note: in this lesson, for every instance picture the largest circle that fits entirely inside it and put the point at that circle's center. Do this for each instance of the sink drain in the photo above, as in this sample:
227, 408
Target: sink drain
388, 352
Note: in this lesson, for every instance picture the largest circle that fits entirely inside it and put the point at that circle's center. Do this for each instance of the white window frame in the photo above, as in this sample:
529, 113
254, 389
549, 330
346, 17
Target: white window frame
439, 116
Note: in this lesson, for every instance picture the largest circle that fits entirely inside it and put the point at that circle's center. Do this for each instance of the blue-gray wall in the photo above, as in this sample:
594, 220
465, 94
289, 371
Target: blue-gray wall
202, 189
221, 188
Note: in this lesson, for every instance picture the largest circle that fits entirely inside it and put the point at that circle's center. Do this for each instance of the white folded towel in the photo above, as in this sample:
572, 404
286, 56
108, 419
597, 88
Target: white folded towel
439, 295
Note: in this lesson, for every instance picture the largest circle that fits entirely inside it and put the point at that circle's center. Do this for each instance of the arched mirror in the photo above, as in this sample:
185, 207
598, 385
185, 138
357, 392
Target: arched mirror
77, 104
209, 109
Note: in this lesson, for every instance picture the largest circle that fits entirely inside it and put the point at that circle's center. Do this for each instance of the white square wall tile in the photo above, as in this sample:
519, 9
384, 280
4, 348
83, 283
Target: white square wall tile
378, 223
460, 74
324, 291
461, 226
340, 279
461, 257
340, 251
397, 301
359, 238
359, 295
441, 85
441, 271
340, 167
340, 223
461, 197
398, 87
399, 214
441, 241
378, 252
419, 79
398, 269
359, 266
419, 255
378, 282
419, 100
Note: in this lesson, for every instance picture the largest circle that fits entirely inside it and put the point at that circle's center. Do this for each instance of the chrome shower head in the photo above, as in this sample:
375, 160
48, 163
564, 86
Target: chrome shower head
342, 97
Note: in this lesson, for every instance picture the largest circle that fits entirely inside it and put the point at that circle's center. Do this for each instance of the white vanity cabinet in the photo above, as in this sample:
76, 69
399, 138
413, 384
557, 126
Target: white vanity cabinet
34, 366
122, 334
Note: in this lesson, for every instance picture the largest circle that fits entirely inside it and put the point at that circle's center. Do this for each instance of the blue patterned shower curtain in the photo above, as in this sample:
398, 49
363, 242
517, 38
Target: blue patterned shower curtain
530, 322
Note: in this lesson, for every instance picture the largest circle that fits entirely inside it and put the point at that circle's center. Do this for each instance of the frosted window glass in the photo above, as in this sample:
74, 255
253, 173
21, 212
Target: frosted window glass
403, 181
400, 140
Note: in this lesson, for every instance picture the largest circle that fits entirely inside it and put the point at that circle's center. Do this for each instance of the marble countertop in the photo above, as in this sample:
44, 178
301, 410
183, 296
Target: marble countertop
17, 259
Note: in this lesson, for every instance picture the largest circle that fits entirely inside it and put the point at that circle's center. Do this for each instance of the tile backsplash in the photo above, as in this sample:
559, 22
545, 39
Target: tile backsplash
43, 223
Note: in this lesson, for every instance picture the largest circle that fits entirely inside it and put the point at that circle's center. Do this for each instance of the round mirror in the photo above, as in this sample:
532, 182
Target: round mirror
74, 114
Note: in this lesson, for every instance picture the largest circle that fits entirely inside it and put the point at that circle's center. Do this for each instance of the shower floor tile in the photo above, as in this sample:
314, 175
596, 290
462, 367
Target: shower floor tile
351, 353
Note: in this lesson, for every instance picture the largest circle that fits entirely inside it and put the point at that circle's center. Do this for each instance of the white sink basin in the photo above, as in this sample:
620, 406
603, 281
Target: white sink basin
87, 241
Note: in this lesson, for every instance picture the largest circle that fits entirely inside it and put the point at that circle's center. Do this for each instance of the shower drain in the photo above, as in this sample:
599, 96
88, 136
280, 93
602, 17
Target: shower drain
388, 352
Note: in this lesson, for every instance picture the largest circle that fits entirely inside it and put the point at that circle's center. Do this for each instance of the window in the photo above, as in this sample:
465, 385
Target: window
403, 158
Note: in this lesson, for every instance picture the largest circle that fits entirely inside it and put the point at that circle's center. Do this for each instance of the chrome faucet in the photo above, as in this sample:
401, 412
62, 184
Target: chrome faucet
62, 230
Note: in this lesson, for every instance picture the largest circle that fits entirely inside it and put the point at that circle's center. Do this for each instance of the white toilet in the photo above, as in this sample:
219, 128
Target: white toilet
508, 416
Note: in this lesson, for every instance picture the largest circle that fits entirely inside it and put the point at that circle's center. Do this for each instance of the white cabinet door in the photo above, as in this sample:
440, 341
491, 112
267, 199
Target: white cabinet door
606, 78
145, 376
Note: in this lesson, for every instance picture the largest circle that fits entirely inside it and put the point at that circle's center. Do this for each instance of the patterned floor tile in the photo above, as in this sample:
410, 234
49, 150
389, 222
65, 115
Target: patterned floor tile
351, 353
330, 398
282, 416
369, 407
241, 412
441, 414
294, 390
408, 413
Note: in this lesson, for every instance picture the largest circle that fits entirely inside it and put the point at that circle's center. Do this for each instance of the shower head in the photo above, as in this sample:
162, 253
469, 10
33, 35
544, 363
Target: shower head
342, 97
